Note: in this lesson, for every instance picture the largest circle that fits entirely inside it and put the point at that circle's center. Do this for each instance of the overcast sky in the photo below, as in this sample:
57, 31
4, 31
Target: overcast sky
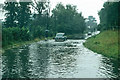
87, 7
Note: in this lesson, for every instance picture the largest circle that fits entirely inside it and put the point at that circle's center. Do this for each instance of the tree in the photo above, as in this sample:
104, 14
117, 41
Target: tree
24, 13
40, 5
41, 10
11, 15
66, 19
91, 23
109, 15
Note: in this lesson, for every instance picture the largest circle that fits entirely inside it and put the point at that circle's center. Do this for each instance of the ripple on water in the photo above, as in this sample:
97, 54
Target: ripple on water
69, 59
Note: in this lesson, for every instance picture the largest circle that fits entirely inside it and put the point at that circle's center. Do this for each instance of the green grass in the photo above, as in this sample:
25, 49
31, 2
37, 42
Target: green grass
18, 44
105, 43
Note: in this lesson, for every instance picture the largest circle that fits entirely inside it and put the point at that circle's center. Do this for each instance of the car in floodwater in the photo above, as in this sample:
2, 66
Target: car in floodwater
89, 33
60, 37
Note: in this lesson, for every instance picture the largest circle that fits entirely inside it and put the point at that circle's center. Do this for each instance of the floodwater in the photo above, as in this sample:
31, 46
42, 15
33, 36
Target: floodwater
50, 59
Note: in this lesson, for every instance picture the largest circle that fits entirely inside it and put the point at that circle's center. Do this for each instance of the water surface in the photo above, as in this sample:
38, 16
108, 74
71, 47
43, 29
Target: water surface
50, 59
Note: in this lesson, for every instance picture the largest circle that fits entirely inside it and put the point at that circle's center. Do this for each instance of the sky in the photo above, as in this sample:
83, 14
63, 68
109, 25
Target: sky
87, 7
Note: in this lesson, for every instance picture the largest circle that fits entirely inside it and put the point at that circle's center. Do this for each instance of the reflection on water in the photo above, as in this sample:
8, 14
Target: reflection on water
15, 63
0, 66
69, 59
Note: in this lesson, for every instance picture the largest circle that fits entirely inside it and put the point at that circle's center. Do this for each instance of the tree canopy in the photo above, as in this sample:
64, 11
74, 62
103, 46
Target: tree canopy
109, 15
91, 24
67, 19
23, 13
11, 15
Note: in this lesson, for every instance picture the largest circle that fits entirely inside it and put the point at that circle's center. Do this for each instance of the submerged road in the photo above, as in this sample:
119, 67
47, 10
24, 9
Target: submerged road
50, 59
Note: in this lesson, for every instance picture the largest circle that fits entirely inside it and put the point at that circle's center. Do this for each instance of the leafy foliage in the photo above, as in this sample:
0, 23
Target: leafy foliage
41, 14
18, 14
24, 13
14, 34
109, 16
91, 24
11, 15
67, 19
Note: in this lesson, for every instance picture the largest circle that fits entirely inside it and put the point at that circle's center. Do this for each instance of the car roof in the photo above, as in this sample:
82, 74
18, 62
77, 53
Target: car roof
61, 33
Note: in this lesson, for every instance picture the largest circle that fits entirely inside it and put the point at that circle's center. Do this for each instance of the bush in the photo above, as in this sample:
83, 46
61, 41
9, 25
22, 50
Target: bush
10, 35
16, 34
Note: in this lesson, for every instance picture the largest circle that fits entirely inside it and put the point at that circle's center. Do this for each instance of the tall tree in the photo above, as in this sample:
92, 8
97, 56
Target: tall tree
24, 13
67, 19
41, 10
40, 6
109, 15
91, 23
11, 7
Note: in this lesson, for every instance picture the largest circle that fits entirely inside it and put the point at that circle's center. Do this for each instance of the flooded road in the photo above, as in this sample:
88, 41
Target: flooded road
50, 59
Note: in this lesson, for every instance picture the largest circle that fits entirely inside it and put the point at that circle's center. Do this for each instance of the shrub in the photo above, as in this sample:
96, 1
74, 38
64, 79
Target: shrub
10, 35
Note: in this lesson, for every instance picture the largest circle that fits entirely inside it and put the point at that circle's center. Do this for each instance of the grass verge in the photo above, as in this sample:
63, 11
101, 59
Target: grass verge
18, 44
105, 43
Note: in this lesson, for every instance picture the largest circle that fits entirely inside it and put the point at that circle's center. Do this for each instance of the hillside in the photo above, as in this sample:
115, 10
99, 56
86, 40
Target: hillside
105, 43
